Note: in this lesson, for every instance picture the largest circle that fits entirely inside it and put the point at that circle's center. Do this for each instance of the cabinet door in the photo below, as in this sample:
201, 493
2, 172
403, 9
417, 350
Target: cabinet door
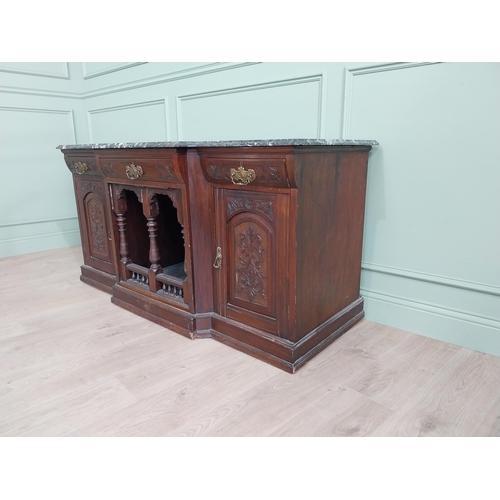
250, 276
94, 224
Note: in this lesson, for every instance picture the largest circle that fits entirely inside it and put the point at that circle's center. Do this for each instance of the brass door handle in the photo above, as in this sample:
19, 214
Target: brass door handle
218, 258
242, 177
134, 171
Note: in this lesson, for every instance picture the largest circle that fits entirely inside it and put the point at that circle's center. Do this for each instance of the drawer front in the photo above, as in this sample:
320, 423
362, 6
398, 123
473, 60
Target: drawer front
246, 171
84, 165
140, 169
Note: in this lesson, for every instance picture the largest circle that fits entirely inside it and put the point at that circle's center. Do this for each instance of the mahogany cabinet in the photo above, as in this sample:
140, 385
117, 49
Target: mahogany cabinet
255, 244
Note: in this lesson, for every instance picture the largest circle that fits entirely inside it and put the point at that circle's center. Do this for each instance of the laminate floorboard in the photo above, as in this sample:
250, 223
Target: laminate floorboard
74, 364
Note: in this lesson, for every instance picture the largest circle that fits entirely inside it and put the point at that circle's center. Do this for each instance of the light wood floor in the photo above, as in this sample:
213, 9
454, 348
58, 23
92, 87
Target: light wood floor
73, 364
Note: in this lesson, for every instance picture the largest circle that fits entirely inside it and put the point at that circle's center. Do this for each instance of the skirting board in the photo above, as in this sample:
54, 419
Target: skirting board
464, 313
39, 242
431, 321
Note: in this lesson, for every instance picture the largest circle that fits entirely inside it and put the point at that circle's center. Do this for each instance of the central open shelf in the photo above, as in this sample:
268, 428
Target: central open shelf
174, 274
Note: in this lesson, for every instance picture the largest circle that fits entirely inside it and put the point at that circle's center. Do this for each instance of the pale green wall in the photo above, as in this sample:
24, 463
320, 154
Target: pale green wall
432, 238
39, 105
432, 231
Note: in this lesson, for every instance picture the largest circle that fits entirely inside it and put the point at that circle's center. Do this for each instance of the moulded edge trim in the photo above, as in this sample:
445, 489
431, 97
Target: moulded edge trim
63, 75
164, 78
43, 221
112, 69
432, 278
39, 236
430, 308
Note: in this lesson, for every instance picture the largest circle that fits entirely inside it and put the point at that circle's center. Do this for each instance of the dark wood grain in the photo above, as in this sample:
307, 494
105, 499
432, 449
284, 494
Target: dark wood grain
331, 194
202, 249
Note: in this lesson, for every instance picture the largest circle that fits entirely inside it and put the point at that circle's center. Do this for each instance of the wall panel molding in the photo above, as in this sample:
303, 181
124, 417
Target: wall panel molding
351, 73
40, 92
89, 73
132, 85
432, 308
126, 106
319, 78
433, 278
41, 221
69, 112
36, 110
5, 241
165, 77
135, 105
257, 86
62, 70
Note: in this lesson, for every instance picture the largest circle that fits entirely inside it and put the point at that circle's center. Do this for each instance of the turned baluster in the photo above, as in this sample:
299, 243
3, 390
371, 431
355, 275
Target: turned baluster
154, 251
121, 209
122, 229
151, 211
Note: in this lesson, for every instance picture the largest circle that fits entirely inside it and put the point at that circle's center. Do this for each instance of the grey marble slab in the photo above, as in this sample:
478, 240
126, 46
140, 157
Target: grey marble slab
222, 144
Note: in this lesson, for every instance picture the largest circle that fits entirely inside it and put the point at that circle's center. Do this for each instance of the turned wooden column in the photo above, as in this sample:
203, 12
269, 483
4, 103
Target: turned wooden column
120, 209
151, 212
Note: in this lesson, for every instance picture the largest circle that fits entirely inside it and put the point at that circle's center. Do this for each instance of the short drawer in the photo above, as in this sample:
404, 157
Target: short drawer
246, 171
140, 169
83, 165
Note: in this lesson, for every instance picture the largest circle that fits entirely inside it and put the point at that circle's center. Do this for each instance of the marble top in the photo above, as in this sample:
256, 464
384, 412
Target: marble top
223, 144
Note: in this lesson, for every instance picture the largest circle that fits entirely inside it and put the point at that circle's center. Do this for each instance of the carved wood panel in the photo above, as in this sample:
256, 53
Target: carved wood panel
94, 224
248, 230
251, 255
242, 202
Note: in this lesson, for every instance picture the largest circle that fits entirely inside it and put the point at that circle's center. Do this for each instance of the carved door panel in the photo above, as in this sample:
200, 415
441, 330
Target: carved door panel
95, 227
250, 237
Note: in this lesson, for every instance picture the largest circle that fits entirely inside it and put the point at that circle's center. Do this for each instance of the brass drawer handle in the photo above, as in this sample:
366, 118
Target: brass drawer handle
81, 168
134, 171
218, 258
242, 177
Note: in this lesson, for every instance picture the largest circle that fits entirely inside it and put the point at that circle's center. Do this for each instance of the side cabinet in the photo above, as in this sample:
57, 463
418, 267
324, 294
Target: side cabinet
253, 274
96, 232
287, 237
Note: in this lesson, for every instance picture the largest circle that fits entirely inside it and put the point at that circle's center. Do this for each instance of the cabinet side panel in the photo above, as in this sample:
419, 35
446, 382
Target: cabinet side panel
331, 200
350, 209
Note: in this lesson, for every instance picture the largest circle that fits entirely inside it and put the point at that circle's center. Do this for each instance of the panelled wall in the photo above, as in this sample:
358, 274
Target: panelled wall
431, 258
39, 103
